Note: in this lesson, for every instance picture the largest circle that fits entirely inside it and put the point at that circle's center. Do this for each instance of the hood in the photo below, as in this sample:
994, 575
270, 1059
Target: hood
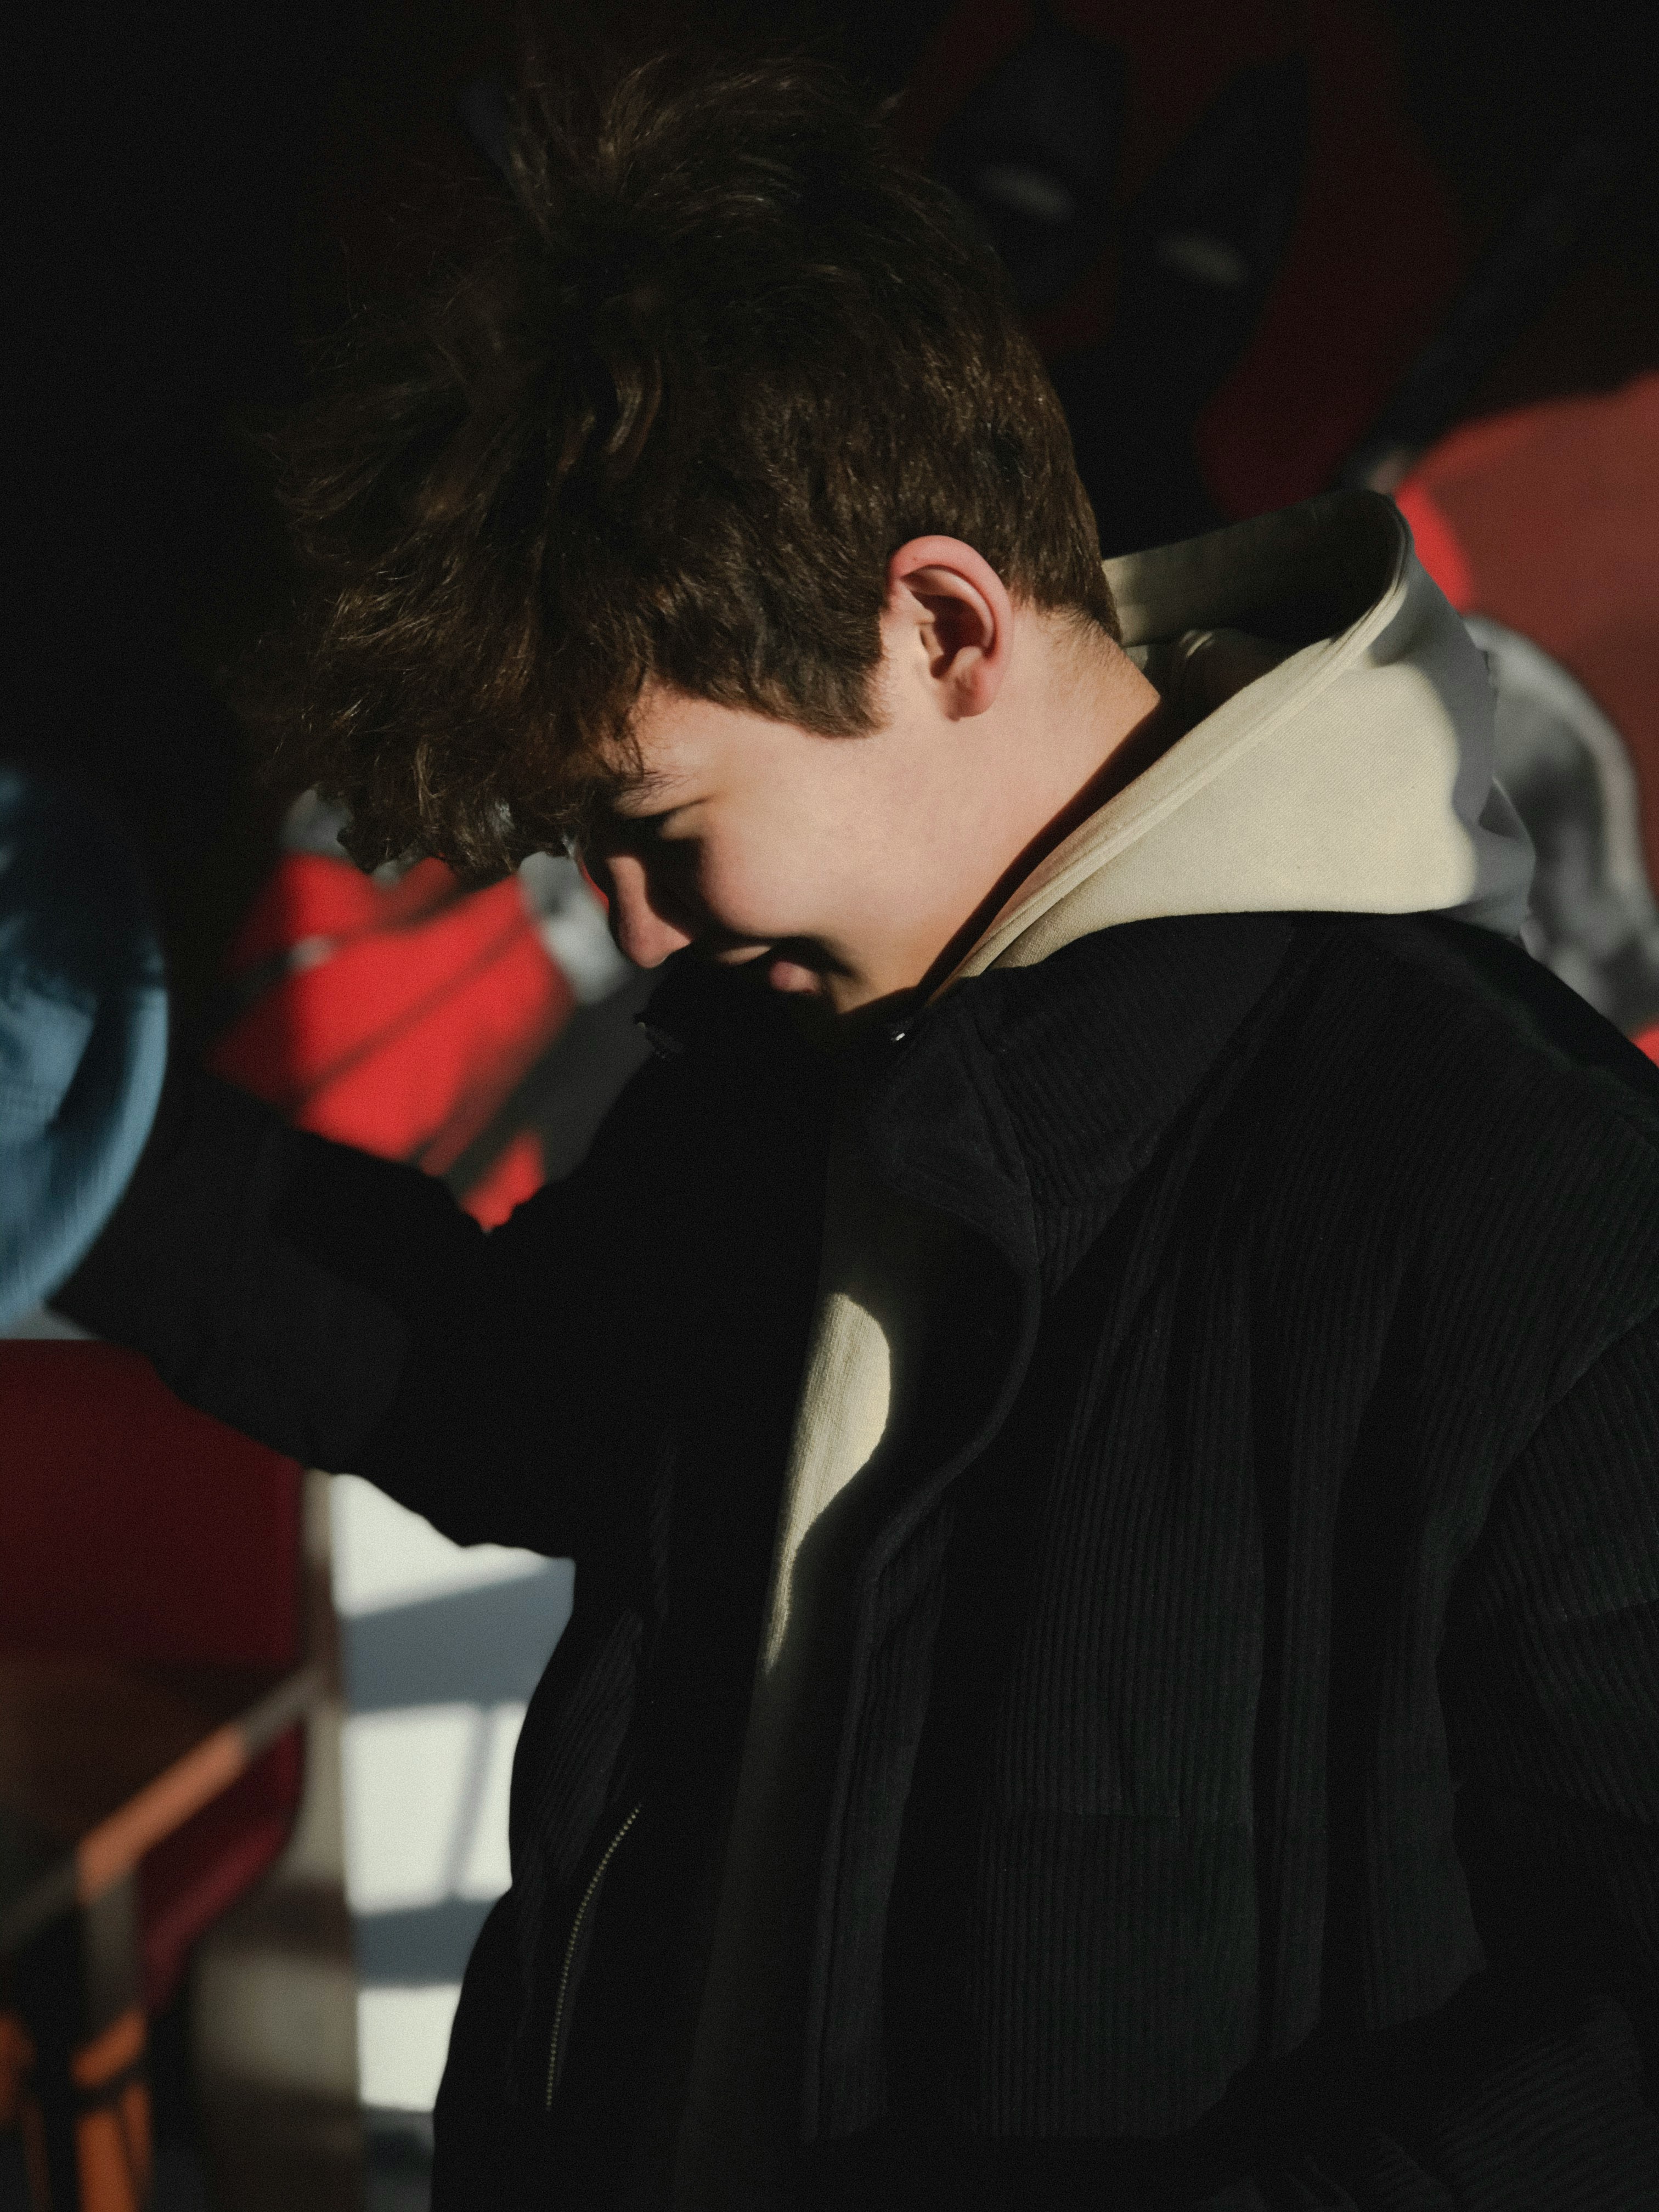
1342, 761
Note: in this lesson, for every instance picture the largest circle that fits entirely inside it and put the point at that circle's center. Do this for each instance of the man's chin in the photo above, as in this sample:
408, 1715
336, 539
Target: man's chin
811, 993
794, 977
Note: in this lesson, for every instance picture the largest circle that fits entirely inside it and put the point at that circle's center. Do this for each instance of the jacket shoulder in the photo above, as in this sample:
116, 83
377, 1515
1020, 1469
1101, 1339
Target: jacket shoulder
1432, 1097
1465, 1026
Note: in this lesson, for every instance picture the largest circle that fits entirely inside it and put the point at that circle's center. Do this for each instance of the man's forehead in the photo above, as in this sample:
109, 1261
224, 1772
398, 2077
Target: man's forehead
642, 790
663, 720
671, 735
627, 773
674, 740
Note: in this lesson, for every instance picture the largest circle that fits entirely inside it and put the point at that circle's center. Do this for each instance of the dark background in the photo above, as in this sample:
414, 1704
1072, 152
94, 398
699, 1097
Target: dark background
206, 192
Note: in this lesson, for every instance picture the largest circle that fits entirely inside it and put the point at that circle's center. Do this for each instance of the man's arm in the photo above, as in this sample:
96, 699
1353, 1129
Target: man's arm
1550, 1675
344, 1309
1535, 2085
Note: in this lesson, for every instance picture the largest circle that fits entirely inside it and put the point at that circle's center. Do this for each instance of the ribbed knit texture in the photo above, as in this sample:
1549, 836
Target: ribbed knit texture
1245, 1795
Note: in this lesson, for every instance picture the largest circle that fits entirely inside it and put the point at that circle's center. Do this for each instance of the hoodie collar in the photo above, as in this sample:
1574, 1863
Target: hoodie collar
1356, 775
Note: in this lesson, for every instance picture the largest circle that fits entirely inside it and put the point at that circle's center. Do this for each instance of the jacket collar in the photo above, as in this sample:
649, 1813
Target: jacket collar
1024, 1103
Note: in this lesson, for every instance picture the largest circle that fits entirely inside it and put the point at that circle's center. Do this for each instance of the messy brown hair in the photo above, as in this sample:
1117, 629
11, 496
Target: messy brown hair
727, 351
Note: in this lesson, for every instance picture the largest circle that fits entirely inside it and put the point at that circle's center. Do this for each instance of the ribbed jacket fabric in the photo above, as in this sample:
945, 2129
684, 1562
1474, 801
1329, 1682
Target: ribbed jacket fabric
1246, 1776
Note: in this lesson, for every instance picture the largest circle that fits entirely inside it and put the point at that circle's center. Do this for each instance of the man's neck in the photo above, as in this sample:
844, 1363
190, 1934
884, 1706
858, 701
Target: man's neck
1080, 723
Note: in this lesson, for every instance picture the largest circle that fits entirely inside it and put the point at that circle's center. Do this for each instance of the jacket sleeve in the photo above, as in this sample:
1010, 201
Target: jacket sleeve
1534, 2086
344, 1310
1550, 1679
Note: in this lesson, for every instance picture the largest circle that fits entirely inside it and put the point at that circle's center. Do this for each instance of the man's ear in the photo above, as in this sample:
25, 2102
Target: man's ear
948, 624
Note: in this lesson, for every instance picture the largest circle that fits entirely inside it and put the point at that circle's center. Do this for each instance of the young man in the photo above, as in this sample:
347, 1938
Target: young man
1103, 1387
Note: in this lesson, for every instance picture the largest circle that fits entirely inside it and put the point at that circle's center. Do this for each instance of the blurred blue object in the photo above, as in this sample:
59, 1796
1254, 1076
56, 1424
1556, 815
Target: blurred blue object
83, 1032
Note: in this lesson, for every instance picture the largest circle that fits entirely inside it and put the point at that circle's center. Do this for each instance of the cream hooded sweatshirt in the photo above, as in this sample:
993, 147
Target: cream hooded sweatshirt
1354, 776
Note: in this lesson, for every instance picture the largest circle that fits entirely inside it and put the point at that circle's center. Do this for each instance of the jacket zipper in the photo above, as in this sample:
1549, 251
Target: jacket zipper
589, 1896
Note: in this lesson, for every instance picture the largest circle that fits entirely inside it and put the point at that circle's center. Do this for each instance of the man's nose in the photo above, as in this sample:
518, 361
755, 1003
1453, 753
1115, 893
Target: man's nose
645, 932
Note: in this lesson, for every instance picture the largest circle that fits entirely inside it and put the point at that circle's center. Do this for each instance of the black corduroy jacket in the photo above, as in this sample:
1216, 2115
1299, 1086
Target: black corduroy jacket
1245, 1771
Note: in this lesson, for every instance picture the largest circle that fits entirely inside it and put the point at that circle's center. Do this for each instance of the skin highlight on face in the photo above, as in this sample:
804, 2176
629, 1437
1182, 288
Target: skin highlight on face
853, 871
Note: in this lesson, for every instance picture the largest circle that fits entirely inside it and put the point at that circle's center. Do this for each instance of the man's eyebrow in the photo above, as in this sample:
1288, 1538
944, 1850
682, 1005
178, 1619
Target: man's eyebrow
637, 796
